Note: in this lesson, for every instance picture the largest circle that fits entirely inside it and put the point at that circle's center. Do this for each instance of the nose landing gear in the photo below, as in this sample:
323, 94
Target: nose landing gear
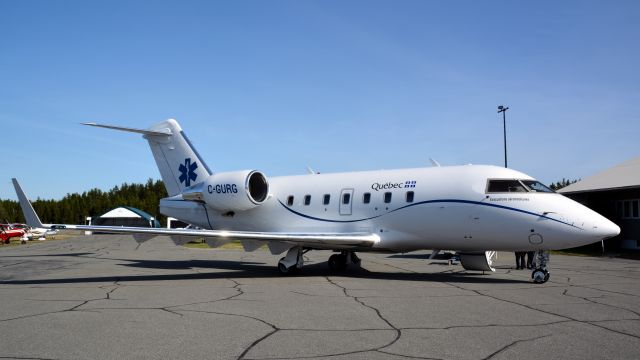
540, 275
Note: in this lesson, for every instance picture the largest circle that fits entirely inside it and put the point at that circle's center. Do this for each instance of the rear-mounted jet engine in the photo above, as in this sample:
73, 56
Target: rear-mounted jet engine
230, 191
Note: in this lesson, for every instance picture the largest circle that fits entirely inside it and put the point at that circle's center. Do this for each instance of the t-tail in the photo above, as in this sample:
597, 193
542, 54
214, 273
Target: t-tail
179, 163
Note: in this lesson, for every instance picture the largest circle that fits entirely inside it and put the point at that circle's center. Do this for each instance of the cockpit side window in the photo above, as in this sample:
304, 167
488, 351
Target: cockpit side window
536, 186
505, 186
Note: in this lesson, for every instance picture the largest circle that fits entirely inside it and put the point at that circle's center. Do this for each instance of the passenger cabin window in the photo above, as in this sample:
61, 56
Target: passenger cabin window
346, 198
505, 186
307, 200
326, 199
366, 198
290, 200
387, 197
536, 186
409, 196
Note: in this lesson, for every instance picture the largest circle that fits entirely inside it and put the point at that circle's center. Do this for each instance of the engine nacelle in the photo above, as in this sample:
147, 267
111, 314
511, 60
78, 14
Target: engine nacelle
231, 191
481, 261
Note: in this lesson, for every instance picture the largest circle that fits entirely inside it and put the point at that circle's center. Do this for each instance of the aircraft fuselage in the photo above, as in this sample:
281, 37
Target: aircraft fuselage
410, 209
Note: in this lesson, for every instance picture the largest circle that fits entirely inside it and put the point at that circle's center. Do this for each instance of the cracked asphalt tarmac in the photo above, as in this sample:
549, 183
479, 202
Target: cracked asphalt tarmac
103, 297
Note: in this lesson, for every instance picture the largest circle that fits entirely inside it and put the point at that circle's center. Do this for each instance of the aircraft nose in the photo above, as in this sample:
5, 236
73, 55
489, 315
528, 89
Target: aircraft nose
604, 229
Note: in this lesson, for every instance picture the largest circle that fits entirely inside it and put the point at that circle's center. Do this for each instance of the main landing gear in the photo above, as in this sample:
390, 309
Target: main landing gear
339, 262
294, 260
540, 274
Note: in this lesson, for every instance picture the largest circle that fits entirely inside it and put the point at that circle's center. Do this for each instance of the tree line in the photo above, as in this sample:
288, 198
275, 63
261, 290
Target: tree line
74, 208
560, 184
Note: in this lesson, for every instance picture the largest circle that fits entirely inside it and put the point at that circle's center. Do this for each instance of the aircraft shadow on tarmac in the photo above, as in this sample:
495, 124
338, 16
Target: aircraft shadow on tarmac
50, 255
240, 269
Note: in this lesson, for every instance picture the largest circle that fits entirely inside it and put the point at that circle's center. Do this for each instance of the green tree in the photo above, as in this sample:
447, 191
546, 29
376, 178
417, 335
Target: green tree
560, 184
73, 208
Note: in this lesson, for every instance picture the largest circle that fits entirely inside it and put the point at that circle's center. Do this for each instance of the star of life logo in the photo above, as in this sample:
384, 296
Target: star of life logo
188, 172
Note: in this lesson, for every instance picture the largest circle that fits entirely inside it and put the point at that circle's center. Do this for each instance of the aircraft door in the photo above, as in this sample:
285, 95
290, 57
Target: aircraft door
346, 201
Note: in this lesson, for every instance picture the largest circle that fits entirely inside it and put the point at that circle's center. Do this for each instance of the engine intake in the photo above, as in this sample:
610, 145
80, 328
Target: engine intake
231, 191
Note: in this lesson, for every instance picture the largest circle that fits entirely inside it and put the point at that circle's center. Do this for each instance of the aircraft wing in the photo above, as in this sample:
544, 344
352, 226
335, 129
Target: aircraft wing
304, 239
251, 240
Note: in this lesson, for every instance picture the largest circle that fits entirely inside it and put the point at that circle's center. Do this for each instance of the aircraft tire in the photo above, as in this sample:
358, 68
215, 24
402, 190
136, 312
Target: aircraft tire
284, 270
337, 262
540, 276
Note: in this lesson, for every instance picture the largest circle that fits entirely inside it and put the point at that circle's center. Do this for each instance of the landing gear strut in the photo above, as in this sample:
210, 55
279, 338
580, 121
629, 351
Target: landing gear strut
339, 262
540, 275
292, 262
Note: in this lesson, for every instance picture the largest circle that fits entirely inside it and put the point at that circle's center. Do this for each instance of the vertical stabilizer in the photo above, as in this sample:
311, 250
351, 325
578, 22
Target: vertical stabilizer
179, 163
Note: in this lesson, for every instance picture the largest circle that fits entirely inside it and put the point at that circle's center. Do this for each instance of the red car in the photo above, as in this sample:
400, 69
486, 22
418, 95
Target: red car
7, 232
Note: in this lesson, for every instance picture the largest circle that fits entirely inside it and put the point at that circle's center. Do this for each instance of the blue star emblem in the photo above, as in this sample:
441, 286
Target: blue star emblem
188, 172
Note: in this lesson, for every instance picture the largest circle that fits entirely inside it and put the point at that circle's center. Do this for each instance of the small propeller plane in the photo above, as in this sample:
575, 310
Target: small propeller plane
472, 209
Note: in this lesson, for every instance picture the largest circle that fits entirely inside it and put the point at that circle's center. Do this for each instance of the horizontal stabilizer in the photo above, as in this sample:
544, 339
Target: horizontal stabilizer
166, 132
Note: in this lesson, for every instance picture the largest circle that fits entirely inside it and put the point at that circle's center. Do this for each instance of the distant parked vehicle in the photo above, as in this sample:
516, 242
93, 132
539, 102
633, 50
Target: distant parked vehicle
34, 233
7, 232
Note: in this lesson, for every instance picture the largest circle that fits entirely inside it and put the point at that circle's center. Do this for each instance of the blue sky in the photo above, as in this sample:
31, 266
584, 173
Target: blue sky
336, 85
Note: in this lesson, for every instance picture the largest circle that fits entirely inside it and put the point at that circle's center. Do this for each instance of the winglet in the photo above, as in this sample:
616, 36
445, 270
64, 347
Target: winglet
27, 210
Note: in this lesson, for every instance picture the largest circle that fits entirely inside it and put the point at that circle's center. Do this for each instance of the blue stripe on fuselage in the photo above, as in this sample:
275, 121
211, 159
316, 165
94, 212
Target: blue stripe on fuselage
431, 202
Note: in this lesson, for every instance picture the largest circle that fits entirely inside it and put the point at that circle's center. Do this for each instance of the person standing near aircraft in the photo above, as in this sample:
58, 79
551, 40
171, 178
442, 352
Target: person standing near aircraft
530, 256
520, 260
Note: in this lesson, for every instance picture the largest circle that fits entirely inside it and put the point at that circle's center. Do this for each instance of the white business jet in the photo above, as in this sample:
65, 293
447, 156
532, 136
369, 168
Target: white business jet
470, 209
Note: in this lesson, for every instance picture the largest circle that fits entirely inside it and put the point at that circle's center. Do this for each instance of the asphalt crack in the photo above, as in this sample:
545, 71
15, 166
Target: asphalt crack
107, 296
591, 300
514, 343
549, 312
398, 332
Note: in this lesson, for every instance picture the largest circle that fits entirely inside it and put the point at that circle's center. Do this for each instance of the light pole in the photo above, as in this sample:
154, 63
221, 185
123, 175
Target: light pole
503, 109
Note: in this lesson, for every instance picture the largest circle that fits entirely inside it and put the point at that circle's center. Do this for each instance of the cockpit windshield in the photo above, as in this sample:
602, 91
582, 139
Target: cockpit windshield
536, 186
505, 186
514, 185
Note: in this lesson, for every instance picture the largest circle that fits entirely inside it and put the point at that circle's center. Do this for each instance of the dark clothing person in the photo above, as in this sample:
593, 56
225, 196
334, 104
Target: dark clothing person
530, 257
520, 260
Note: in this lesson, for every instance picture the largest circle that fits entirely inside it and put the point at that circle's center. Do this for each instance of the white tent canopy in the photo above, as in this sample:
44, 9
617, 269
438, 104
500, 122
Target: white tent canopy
120, 212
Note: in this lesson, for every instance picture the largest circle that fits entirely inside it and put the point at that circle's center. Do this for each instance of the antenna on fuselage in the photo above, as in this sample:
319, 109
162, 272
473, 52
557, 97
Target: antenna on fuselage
434, 163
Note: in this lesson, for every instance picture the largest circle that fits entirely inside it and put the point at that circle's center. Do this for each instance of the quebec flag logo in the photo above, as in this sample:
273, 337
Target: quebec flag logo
410, 184
188, 172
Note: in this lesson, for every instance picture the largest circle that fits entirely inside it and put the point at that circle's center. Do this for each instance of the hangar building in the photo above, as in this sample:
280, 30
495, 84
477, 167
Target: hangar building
126, 216
614, 193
